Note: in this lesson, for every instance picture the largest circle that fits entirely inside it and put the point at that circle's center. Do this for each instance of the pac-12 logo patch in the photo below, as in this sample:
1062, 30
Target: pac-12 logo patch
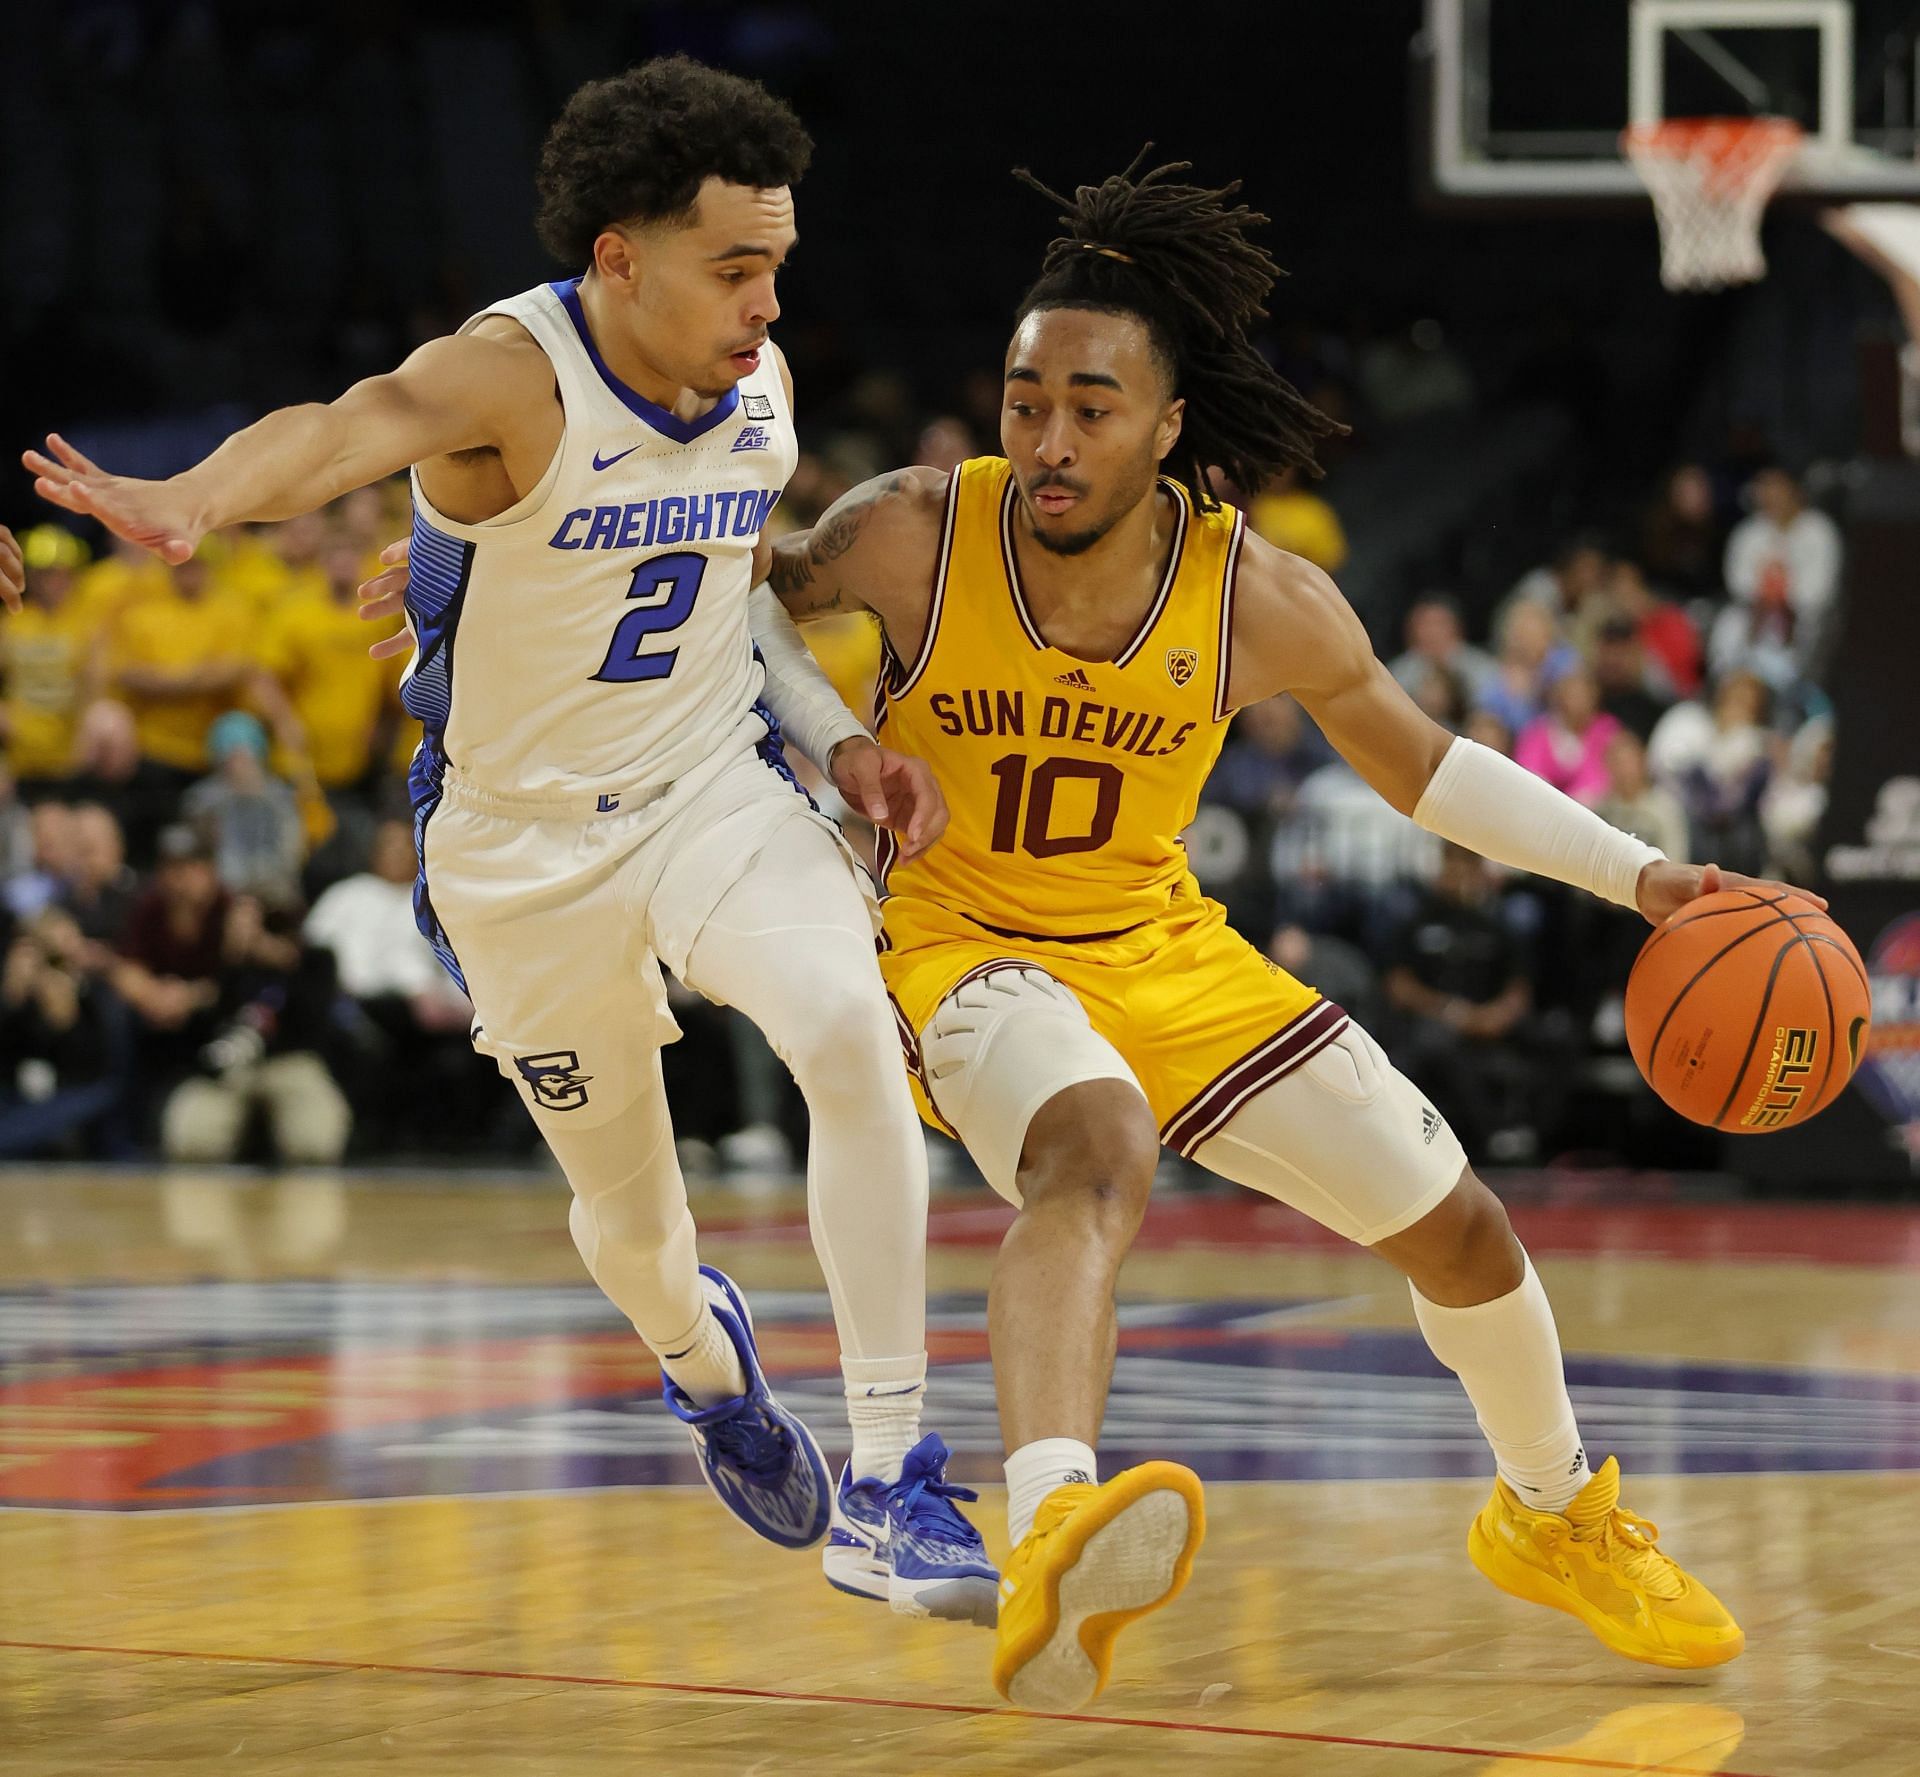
1182, 664
554, 1079
758, 407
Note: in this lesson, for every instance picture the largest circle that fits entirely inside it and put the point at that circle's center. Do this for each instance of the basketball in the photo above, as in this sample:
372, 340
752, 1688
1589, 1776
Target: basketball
1748, 1011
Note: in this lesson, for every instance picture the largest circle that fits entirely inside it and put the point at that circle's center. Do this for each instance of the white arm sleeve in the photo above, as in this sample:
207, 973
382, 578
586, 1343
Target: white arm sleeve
800, 695
1486, 802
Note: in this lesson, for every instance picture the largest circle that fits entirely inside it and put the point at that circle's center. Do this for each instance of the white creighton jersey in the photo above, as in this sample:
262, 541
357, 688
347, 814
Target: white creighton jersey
593, 637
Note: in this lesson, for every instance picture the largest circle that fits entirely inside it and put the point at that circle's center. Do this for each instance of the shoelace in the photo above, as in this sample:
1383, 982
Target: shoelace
753, 1445
926, 1501
1636, 1541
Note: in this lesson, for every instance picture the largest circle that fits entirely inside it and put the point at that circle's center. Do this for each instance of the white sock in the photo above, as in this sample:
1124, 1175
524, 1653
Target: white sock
702, 1362
883, 1407
1035, 1470
1507, 1355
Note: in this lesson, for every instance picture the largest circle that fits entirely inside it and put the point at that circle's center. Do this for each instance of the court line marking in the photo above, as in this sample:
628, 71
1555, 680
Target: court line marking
972, 1709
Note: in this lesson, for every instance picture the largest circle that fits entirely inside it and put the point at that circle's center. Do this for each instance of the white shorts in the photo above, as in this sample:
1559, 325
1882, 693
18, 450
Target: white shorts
558, 916
1345, 1137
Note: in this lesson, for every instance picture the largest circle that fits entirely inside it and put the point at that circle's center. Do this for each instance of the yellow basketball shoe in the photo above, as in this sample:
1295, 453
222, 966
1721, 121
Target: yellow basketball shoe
1604, 1566
1096, 1559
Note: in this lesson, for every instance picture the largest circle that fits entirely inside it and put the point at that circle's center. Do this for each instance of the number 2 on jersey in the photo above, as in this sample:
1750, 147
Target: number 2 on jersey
1037, 835
625, 664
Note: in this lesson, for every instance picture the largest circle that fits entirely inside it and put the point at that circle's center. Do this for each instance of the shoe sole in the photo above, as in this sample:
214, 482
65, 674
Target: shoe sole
1129, 1550
1518, 1580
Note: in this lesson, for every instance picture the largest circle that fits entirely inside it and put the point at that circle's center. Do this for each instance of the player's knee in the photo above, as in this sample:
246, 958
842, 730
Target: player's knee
627, 1189
1092, 1151
846, 1042
1465, 1250
638, 1216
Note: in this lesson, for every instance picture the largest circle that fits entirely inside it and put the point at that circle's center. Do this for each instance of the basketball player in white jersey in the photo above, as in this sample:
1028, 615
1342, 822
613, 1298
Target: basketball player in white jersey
601, 791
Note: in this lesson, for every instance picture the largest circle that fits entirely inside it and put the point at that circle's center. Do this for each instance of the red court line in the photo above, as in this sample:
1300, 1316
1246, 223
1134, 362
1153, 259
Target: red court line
729, 1690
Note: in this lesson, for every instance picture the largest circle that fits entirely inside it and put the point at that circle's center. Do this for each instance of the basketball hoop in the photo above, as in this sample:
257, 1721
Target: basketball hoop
1711, 178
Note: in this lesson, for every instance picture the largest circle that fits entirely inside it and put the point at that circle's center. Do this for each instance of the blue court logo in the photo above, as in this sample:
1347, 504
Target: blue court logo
554, 1079
1890, 1069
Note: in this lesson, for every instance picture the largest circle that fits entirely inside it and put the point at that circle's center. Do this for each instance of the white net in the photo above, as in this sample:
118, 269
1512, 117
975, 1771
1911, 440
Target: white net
1710, 178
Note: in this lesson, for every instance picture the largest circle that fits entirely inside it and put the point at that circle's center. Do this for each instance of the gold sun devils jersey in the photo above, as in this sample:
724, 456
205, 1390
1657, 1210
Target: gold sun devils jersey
1069, 780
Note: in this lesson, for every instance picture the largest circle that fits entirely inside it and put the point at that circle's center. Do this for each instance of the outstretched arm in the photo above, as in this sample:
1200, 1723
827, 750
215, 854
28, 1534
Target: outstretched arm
452, 394
1292, 631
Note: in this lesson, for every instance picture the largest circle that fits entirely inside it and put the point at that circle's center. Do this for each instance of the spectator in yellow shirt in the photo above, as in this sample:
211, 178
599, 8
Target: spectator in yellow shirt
271, 566
317, 649
1290, 517
181, 660
47, 659
122, 578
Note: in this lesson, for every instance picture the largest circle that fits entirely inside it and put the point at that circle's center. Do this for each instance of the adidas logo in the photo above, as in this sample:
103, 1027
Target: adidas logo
1075, 1476
1075, 680
1430, 1122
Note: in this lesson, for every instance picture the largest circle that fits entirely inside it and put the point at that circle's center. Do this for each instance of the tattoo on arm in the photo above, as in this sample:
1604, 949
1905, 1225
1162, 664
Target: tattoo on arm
801, 575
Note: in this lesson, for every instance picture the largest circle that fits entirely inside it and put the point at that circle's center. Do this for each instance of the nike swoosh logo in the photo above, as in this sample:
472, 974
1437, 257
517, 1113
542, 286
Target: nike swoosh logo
609, 462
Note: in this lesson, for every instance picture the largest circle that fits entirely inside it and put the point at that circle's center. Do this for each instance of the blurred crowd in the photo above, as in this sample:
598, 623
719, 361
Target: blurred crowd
206, 857
1669, 679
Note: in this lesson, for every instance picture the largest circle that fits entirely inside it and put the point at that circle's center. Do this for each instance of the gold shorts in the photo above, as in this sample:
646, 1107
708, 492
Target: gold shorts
1202, 1018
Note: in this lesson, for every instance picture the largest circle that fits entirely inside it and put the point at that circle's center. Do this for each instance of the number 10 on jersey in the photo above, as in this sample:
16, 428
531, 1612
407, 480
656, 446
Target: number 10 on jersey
1035, 834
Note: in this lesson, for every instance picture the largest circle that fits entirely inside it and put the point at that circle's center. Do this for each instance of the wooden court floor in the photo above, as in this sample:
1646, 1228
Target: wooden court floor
312, 1476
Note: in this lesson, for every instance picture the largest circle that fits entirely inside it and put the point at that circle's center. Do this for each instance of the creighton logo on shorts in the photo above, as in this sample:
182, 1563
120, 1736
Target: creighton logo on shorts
1182, 664
556, 1079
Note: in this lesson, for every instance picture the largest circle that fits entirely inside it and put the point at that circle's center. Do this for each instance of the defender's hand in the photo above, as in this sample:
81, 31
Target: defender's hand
13, 572
384, 596
154, 514
893, 790
1664, 888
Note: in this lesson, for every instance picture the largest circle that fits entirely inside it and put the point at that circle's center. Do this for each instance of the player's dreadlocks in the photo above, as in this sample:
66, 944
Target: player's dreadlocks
1178, 258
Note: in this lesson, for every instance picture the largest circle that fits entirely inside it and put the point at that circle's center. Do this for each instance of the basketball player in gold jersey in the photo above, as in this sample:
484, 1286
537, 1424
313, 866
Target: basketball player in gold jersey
1068, 632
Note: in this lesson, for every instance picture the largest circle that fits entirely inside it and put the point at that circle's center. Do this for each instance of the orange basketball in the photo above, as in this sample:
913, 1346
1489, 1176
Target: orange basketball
1748, 1010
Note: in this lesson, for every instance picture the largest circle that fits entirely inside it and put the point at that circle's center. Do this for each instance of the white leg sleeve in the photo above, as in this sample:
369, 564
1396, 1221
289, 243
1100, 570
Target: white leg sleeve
1507, 1355
791, 945
630, 1218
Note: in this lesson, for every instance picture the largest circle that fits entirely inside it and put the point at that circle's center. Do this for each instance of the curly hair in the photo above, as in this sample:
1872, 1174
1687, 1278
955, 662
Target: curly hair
634, 149
1177, 258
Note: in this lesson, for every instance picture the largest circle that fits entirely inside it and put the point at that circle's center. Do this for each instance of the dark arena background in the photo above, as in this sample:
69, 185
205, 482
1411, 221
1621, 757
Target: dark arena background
319, 1451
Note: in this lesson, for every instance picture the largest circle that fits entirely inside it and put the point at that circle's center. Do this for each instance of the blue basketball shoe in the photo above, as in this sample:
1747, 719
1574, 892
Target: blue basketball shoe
905, 1542
763, 1465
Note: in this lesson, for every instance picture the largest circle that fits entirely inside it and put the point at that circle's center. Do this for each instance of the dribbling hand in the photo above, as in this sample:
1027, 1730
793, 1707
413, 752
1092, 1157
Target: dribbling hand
1664, 887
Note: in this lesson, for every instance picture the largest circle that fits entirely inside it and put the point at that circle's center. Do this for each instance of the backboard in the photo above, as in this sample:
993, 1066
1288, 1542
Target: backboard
1525, 101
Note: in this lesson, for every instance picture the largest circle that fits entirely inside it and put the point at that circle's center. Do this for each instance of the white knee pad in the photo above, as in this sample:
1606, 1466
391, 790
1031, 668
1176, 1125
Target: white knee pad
1000, 1046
